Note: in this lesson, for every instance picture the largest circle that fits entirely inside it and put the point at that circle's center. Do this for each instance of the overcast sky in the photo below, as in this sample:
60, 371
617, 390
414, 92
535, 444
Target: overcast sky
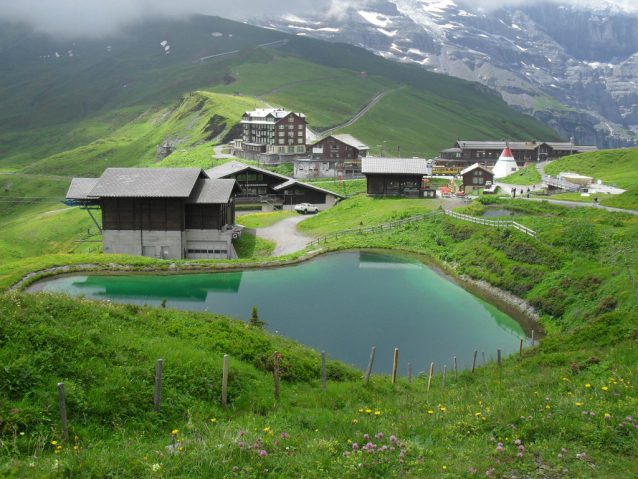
98, 17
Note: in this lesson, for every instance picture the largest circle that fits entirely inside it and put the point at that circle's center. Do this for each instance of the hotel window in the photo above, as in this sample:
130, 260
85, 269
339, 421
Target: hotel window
300, 149
281, 127
282, 149
291, 127
300, 126
300, 140
291, 119
300, 133
281, 133
281, 142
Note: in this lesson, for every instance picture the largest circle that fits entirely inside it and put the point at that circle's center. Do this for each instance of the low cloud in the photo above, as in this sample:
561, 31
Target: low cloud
103, 17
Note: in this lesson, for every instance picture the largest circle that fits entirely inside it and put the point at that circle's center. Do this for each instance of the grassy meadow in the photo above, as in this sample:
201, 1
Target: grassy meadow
611, 166
565, 408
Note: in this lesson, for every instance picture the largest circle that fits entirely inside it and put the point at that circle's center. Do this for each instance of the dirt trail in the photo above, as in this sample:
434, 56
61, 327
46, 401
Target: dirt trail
285, 234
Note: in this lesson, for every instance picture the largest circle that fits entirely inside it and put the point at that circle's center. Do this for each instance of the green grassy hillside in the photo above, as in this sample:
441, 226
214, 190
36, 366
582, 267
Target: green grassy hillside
611, 166
50, 105
566, 408
199, 117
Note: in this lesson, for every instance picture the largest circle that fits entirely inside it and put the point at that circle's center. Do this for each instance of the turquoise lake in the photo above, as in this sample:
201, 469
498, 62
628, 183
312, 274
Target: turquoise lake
344, 303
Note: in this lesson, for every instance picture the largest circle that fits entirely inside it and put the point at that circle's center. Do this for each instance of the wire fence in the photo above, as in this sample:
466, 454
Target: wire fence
411, 219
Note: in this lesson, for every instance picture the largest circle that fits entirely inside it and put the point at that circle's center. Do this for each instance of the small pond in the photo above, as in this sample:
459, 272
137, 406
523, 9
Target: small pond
493, 212
344, 303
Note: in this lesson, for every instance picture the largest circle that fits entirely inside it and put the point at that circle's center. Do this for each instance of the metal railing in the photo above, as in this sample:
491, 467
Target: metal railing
411, 219
563, 185
496, 223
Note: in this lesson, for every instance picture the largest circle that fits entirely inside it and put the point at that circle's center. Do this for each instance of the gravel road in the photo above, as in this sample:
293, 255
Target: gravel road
285, 234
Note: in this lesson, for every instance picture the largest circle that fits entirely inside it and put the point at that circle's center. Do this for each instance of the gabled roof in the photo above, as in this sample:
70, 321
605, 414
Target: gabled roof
310, 186
496, 145
411, 166
475, 166
146, 182
350, 141
208, 191
80, 188
564, 146
235, 166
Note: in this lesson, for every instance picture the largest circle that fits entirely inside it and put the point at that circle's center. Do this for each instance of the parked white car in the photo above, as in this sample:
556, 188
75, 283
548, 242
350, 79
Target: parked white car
304, 208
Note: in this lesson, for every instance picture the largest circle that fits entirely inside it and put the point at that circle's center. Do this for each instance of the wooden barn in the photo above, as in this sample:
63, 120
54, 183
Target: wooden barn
268, 191
168, 213
475, 177
394, 176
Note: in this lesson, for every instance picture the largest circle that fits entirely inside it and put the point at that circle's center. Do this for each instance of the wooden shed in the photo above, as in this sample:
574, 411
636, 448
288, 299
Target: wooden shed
475, 177
168, 213
394, 176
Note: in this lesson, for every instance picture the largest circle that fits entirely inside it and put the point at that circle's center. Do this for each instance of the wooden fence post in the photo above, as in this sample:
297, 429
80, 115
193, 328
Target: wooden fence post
394, 366
520, 349
532, 338
370, 365
65, 427
474, 360
456, 370
431, 372
409, 373
158, 384
444, 374
276, 374
498, 355
323, 370
483, 354
225, 382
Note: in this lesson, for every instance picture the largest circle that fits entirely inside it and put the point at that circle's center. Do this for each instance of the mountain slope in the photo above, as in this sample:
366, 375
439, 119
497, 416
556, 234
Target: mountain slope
574, 67
52, 104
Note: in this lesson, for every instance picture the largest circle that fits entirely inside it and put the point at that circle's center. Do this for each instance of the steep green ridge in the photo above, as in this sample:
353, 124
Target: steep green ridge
50, 105
612, 166
569, 402
199, 117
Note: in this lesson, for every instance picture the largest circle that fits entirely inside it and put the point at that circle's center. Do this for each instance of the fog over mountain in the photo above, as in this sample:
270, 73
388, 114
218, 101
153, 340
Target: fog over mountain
572, 63
100, 17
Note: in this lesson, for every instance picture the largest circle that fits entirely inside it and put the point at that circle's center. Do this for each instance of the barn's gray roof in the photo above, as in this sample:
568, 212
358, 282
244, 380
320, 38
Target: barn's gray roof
310, 186
235, 166
496, 145
208, 191
80, 188
410, 166
285, 184
564, 146
351, 141
146, 182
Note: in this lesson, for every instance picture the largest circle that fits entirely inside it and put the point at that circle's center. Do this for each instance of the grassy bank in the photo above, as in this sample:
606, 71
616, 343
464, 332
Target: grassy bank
611, 166
526, 176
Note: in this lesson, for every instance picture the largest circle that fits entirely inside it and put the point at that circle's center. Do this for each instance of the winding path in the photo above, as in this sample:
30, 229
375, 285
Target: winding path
284, 233
361, 113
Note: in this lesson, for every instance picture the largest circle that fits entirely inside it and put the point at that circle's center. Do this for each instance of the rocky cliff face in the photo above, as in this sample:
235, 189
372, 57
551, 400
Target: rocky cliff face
575, 68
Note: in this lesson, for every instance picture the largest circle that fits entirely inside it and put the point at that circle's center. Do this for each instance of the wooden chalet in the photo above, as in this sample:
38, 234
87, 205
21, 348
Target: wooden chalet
486, 153
475, 177
167, 213
271, 191
395, 176
331, 156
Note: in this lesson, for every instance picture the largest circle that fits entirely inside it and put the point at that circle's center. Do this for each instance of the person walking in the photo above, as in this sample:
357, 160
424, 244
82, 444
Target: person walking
595, 200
